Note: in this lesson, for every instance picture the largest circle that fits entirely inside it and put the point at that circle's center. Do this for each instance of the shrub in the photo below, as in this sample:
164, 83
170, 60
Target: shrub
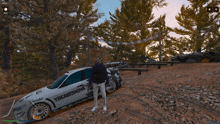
205, 61
8, 84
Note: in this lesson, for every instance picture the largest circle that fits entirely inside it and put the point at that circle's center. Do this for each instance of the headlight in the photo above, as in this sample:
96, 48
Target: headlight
19, 108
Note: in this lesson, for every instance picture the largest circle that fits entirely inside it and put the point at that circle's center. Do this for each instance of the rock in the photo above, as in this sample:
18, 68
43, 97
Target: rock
183, 120
190, 108
159, 101
154, 97
71, 115
171, 97
217, 104
115, 120
112, 112
166, 94
178, 76
190, 122
216, 101
216, 92
166, 100
144, 104
181, 104
207, 73
183, 90
76, 112
57, 119
176, 89
207, 102
142, 94
166, 109
188, 86
206, 116
172, 102
217, 72
197, 110
205, 89
205, 93
198, 97
212, 97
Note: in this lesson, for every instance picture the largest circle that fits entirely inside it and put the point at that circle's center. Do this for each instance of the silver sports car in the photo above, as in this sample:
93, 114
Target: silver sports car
68, 90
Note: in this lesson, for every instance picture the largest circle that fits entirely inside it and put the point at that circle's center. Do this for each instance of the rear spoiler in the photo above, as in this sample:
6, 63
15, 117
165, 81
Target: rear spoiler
116, 64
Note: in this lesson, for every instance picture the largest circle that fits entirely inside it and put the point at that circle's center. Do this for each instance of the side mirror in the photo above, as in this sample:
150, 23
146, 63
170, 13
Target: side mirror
48, 85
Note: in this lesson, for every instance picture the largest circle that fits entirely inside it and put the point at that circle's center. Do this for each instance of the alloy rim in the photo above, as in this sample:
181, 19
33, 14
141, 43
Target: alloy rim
111, 87
39, 111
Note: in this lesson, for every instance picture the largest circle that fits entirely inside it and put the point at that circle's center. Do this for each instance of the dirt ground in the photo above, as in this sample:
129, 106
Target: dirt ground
183, 93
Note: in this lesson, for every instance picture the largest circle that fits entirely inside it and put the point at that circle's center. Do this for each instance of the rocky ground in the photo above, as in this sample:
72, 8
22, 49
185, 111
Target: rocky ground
183, 93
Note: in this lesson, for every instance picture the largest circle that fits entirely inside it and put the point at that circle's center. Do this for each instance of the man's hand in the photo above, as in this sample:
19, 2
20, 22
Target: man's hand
89, 88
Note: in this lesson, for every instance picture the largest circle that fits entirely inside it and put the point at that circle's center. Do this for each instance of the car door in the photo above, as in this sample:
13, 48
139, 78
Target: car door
70, 90
87, 73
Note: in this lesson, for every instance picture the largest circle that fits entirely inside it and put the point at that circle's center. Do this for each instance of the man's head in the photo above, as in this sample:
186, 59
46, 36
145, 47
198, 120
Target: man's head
99, 60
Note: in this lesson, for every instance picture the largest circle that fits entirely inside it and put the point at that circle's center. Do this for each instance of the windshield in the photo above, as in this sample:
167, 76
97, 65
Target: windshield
58, 82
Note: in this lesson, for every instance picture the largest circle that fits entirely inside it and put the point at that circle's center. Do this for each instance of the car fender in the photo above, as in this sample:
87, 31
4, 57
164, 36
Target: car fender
47, 101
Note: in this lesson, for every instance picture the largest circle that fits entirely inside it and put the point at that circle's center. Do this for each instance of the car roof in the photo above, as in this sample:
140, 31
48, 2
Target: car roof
76, 70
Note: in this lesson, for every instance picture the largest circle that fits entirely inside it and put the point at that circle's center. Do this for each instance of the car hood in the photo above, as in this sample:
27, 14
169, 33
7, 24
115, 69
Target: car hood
33, 96
39, 93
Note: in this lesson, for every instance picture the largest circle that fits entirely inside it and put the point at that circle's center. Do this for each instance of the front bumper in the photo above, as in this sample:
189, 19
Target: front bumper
21, 114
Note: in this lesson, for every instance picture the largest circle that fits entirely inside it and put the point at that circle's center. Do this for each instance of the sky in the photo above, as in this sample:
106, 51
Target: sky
171, 10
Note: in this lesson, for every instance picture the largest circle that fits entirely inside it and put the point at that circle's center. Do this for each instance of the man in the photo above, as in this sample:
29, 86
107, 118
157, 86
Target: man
98, 76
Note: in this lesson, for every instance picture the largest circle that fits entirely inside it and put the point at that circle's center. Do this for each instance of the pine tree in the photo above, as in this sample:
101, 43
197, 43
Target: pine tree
5, 31
135, 16
195, 19
50, 26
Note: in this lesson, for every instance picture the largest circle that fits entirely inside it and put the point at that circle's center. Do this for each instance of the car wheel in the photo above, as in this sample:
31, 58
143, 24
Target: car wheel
38, 111
111, 86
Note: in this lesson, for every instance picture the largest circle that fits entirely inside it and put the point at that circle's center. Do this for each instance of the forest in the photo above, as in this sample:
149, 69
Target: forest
40, 40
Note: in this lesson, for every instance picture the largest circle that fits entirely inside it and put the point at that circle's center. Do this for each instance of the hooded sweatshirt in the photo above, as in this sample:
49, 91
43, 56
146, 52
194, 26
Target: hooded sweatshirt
104, 70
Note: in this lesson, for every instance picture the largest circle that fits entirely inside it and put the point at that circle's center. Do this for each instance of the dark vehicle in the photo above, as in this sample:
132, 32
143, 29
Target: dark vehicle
198, 57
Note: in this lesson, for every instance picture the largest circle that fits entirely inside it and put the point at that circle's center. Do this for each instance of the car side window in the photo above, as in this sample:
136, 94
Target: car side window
74, 78
87, 73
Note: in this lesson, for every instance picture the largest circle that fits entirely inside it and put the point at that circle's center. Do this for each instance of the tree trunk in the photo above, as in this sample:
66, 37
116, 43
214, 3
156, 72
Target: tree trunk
6, 56
69, 58
53, 61
70, 52
199, 43
51, 47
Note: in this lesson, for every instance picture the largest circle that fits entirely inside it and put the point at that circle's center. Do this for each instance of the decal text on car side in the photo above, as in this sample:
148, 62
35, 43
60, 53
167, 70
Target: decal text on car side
69, 94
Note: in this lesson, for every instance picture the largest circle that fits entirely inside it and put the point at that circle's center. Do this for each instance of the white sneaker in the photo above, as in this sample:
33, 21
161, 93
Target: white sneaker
104, 108
94, 108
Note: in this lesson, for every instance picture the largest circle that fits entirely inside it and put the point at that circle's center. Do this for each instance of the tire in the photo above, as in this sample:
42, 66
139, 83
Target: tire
111, 86
38, 112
